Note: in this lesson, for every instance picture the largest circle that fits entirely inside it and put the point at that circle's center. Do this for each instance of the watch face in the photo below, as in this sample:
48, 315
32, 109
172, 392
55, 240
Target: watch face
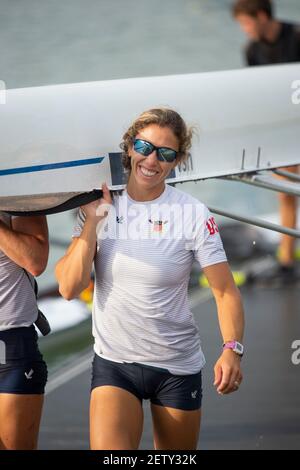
239, 348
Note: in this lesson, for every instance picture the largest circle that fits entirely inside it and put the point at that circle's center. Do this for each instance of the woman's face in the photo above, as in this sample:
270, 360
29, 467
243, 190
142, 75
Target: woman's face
149, 173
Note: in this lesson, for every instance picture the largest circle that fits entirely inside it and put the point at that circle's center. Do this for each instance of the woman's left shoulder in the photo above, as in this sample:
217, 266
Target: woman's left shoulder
182, 197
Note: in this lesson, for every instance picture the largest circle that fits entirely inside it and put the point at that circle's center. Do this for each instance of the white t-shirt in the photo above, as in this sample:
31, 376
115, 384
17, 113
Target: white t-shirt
18, 305
143, 262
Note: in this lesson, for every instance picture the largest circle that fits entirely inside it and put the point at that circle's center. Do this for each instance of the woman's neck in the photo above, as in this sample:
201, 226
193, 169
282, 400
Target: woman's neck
141, 194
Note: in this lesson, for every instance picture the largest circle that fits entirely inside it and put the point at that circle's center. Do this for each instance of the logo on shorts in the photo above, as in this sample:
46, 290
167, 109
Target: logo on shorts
194, 394
29, 374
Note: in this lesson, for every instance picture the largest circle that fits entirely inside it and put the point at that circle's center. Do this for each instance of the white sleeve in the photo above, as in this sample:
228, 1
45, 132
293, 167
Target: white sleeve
77, 229
208, 248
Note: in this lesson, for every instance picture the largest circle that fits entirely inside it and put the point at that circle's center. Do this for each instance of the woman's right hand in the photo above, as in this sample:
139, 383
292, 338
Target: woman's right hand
98, 210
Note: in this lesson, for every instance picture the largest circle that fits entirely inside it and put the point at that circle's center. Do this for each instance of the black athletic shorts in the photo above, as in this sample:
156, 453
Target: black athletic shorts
22, 368
146, 382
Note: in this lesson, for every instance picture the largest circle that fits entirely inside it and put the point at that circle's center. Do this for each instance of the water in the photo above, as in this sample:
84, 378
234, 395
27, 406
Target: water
45, 42
48, 42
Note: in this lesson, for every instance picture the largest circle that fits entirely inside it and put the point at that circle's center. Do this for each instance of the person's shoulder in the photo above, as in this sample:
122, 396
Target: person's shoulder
118, 197
178, 196
296, 28
290, 28
289, 25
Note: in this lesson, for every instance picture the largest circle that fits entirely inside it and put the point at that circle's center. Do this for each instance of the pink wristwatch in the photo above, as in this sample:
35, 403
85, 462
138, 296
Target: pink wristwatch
237, 347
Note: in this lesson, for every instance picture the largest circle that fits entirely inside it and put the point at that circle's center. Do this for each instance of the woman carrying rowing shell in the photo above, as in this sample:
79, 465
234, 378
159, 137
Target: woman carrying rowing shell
24, 248
147, 344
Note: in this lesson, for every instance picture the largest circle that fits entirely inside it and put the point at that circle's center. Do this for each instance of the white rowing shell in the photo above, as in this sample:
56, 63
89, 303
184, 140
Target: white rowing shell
63, 140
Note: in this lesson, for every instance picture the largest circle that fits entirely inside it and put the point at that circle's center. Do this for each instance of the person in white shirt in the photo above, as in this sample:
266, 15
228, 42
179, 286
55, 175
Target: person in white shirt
147, 345
24, 248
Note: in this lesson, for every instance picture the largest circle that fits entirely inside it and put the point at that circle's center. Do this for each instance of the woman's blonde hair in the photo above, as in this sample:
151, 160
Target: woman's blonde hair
162, 117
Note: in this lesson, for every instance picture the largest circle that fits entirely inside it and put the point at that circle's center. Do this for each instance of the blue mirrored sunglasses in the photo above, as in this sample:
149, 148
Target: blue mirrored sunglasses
164, 154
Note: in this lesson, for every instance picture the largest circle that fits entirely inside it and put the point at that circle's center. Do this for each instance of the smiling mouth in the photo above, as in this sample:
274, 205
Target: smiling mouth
146, 172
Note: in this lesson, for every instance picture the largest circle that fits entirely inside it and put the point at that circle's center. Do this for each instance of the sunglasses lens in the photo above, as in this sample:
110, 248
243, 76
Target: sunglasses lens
142, 147
145, 148
168, 155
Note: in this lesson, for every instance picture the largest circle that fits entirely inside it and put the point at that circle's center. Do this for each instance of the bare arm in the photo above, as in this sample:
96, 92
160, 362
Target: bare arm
73, 271
231, 321
26, 243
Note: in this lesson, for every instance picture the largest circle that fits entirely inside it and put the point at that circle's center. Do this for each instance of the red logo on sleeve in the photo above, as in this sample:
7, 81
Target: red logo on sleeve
212, 226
